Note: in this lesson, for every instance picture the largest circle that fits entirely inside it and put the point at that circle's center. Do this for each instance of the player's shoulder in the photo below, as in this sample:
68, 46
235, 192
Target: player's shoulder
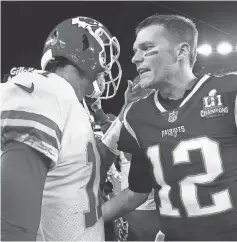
40, 92
45, 82
33, 113
140, 108
226, 82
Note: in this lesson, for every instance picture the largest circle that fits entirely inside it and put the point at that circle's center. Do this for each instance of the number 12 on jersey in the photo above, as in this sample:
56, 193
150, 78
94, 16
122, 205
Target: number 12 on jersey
188, 186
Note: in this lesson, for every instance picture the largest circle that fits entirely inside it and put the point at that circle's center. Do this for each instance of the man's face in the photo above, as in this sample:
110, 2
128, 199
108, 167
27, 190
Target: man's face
145, 91
153, 56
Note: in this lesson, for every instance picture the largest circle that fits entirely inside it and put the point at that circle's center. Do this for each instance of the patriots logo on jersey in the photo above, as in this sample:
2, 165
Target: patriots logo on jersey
173, 131
213, 105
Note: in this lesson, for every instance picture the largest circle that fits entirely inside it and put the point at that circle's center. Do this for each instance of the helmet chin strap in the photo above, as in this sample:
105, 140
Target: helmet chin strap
92, 120
96, 92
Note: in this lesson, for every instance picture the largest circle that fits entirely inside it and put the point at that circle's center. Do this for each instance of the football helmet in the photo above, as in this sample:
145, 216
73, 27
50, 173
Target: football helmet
89, 45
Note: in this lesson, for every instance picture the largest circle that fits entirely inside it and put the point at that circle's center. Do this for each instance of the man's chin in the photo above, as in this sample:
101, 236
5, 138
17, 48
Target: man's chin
146, 81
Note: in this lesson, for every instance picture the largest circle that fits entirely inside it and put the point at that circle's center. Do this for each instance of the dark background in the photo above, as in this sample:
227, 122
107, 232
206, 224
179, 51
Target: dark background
25, 26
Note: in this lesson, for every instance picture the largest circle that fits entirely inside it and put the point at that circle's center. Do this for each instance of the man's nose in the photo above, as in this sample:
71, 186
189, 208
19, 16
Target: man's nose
137, 57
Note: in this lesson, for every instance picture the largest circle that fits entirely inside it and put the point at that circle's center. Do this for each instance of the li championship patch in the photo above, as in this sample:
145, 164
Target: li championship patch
213, 105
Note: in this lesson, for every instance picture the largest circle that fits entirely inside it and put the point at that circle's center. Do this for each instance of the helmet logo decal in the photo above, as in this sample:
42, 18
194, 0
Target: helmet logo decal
84, 21
90, 21
62, 44
52, 39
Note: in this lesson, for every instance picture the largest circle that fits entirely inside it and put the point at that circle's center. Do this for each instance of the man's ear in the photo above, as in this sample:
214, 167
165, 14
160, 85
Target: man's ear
182, 50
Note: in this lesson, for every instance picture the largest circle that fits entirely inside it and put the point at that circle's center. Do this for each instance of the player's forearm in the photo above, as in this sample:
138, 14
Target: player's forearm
99, 113
126, 201
107, 159
23, 178
120, 116
101, 117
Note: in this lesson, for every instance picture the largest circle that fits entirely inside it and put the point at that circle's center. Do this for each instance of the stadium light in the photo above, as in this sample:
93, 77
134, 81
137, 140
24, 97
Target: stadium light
224, 48
204, 49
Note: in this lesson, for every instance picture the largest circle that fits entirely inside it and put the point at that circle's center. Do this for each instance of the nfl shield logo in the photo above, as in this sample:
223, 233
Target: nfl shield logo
173, 116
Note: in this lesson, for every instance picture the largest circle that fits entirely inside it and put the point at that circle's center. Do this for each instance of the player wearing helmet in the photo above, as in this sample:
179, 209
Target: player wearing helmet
49, 160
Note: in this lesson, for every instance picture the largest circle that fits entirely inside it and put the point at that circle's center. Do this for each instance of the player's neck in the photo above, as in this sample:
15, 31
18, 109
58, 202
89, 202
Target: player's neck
177, 86
80, 85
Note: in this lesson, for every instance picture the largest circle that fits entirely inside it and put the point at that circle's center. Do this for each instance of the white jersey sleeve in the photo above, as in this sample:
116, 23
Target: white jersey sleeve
31, 113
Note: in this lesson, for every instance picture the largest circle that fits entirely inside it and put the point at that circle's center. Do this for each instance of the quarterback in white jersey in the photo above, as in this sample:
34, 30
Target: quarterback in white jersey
50, 163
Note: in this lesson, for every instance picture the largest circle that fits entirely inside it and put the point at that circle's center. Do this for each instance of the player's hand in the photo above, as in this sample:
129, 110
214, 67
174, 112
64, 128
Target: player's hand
95, 106
133, 93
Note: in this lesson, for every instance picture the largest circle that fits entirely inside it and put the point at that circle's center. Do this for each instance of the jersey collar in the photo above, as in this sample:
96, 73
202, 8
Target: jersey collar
195, 89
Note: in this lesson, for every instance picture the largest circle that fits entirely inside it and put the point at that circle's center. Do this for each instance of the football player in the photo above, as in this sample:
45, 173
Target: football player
49, 162
187, 130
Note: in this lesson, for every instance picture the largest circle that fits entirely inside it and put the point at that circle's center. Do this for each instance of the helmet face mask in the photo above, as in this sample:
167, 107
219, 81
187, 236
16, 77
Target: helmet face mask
111, 81
110, 49
89, 46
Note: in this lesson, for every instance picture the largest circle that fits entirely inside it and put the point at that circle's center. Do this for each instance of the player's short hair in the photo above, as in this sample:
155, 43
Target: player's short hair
180, 28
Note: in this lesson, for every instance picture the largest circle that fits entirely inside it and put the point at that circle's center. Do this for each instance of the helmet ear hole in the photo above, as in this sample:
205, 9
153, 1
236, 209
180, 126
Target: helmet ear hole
54, 37
55, 33
85, 42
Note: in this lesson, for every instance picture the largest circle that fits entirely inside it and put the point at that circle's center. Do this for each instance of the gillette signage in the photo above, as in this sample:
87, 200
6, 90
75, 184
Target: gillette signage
15, 71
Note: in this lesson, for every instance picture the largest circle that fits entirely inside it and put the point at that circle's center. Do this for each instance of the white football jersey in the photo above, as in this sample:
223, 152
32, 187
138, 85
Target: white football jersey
41, 110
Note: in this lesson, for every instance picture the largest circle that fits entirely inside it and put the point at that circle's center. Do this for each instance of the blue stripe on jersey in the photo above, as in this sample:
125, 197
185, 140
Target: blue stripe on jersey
30, 134
23, 115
